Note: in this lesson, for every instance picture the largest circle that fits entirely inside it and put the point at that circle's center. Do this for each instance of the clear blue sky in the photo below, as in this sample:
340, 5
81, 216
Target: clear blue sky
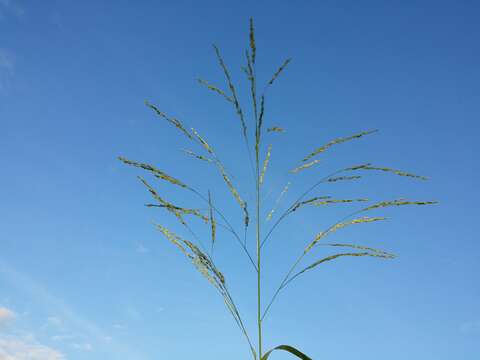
83, 273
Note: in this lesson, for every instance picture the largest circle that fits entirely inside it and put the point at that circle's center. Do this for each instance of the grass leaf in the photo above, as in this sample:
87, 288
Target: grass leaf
289, 349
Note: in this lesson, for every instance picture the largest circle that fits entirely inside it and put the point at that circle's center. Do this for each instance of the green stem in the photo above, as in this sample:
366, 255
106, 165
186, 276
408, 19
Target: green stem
259, 309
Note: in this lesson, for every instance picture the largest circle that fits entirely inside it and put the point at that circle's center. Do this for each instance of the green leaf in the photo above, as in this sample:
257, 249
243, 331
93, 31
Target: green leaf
289, 349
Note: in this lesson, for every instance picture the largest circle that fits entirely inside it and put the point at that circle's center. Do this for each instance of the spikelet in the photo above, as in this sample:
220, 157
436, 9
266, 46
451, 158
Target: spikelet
340, 225
205, 261
246, 215
234, 192
232, 90
285, 189
174, 239
399, 202
395, 171
337, 141
202, 141
332, 257
275, 129
357, 167
277, 73
175, 122
215, 89
156, 172
253, 47
304, 166
265, 164
336, 201
309, 201
213, 223
199, 157
258, 131
343, 178
359, 247
262, 113
176, 210
201, 261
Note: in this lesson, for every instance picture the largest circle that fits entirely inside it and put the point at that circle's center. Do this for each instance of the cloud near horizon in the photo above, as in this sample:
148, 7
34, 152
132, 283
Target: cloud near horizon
22, 348
13, 348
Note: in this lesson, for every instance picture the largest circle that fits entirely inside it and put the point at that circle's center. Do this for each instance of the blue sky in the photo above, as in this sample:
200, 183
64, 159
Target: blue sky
84, 274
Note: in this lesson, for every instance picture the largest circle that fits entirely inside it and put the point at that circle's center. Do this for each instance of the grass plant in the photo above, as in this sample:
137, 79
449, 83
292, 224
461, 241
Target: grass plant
258, 157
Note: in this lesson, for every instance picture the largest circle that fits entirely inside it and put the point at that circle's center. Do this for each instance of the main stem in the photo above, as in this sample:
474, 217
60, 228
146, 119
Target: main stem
259, 309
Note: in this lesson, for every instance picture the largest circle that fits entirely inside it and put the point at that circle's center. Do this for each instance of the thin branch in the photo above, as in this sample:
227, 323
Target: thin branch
286, 279
300, 198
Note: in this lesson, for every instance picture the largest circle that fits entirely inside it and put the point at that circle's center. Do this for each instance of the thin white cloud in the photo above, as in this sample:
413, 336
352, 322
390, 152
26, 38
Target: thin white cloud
62, 337
69, 318
83, 347
6, 315
12, 348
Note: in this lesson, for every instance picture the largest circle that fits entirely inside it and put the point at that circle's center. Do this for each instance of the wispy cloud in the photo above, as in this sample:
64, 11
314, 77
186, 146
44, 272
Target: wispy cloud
83, 347
6, 316
27, 348
68, 317
22, 347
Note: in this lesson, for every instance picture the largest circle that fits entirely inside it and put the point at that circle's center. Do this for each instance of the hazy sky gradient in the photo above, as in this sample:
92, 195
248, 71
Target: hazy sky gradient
84, 274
